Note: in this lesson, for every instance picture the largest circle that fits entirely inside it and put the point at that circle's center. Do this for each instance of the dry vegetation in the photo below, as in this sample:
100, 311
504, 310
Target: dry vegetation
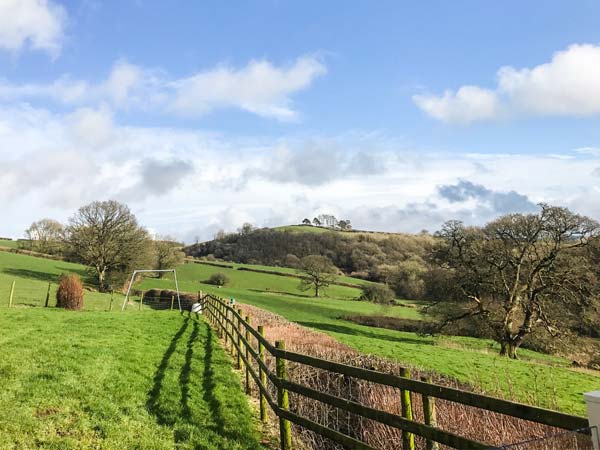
474, 423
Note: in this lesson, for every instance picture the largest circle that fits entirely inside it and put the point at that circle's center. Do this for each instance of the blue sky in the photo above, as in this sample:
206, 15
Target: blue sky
203, 115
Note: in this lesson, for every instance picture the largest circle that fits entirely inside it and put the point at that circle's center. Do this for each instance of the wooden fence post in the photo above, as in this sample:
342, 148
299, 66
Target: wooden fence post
239, 347
225, 312
247, 336
12, 292
172, 302
429, 415
111, 300
230, 328
263, 376
283, 401
48, 295
408, 439
141, 300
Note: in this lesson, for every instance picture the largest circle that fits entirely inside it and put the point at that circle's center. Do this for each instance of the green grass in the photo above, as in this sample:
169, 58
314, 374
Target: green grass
537, 378
32, 276
288, 270
9, 244
94, 380
305, 229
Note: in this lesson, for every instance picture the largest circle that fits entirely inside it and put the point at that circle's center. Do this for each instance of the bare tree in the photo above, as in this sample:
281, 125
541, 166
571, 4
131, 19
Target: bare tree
168, 254
107, 237
519, 272
45, 235
319, 272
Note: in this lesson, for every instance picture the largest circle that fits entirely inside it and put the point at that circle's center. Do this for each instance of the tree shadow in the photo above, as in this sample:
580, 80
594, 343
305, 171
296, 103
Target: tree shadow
50, 277
32, 275
152, 402
291, 294
372, 334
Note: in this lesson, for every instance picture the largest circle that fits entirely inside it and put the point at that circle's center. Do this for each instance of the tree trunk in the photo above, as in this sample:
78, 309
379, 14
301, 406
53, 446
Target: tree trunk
316, 290
101, 279
508, 348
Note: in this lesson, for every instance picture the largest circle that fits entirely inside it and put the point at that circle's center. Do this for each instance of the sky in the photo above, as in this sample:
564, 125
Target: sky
201, 116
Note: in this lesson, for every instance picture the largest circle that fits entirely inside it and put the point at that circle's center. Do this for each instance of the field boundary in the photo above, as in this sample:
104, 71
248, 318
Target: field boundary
230, 325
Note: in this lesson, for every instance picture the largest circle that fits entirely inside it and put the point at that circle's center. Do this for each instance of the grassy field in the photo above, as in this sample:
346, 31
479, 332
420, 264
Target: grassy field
32, 276
97, 380
9, 244
288, 270
536, 379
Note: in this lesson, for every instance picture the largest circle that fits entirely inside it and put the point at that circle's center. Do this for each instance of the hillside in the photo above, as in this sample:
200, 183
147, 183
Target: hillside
401, 260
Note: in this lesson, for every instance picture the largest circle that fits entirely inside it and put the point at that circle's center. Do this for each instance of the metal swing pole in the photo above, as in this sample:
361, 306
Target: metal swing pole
177, 289
128, 290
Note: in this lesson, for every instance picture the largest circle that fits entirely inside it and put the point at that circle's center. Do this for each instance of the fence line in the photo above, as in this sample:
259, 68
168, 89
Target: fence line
230, 325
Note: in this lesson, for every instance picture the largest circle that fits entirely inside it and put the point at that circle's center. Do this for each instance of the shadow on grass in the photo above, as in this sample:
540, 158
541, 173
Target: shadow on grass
372, 334
209, 384
32, 275
184, 375
152, 402
291, 294
88, 279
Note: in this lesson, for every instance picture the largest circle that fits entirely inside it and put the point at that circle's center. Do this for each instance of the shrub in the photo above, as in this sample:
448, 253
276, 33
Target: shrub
378, 293
70, 292
218, 279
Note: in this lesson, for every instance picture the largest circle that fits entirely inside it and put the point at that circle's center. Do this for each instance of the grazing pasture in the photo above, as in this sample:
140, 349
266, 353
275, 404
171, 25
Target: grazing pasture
537, 378
144, 380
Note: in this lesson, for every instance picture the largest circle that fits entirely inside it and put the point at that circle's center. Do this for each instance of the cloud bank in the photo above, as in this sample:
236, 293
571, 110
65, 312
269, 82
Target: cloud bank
567, 85
259, 88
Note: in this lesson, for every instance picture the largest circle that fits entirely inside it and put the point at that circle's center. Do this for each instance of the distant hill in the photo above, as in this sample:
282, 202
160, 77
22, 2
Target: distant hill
397, 259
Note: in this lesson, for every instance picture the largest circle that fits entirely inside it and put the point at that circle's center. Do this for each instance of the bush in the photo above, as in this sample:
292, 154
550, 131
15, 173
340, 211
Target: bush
378, 293
218, 279
70, 292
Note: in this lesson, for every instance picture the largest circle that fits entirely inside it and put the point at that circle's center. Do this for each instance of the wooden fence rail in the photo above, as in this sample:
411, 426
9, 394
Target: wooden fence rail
230, 324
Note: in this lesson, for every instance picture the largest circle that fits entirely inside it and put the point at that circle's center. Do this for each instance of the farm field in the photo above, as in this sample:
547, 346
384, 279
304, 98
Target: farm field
149, 380
288, 270
536, 378
8, 243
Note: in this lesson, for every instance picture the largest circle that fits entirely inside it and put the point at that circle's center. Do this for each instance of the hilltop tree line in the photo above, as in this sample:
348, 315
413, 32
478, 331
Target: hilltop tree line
106, 237
522, 278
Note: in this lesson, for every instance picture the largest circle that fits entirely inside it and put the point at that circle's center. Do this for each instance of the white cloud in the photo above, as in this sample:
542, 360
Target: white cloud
260, 88
189, 183
92, 127
468, 104
568, 85
35, 23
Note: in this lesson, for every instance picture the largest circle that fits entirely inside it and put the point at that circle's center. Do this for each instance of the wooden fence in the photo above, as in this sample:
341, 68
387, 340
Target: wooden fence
249, 344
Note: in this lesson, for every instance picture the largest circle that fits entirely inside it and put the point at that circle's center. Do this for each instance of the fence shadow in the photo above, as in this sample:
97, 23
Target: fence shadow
209, 384
184, 374
152, 402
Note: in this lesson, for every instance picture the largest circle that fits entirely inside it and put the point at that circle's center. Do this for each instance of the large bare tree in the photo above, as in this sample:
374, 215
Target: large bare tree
107, 237
520, 272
